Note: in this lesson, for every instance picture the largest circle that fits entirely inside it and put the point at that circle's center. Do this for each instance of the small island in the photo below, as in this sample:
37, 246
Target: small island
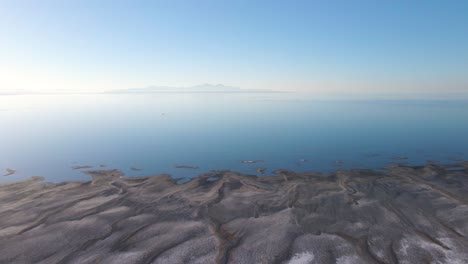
186, 167
251, 161
10, 172
81, 167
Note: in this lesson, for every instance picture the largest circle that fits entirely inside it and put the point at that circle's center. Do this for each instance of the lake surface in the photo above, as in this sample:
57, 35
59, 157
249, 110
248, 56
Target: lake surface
46, 135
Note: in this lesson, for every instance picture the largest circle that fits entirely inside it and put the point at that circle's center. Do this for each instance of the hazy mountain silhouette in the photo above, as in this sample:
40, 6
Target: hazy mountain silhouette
202, 88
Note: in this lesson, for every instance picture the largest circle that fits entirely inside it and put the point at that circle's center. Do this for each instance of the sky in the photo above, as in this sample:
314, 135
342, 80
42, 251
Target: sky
331, 47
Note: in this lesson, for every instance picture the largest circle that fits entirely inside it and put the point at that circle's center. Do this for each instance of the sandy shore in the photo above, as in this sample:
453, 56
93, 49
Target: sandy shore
402, 215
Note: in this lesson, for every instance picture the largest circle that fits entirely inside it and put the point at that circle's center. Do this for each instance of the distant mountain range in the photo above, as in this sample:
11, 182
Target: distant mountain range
14, 92
202, 88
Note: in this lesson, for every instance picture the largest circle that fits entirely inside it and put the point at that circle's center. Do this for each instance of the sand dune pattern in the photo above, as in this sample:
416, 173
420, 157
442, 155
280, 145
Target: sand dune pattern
403, 215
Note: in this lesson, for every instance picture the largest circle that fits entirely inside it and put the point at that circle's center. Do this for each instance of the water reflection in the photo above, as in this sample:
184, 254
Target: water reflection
47, 135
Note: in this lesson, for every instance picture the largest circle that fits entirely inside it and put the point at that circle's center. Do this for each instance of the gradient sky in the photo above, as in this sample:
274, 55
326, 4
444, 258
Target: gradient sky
316, 46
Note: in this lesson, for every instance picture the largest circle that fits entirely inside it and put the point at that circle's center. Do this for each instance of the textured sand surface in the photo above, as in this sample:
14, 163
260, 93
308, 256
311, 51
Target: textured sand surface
404, 215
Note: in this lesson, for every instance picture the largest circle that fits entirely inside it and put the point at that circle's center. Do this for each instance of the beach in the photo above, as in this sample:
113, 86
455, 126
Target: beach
402, 214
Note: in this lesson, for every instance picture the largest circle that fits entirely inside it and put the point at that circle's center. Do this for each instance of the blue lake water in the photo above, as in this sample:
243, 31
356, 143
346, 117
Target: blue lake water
48, 134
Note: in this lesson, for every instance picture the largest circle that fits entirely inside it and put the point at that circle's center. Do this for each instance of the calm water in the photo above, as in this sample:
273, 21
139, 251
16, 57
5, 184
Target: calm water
48, 134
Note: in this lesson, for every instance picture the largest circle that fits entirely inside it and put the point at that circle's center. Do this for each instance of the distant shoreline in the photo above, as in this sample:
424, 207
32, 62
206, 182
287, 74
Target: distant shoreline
259, 170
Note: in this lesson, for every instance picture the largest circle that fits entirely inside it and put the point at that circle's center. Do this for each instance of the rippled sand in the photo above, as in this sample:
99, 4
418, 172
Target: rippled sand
402, 215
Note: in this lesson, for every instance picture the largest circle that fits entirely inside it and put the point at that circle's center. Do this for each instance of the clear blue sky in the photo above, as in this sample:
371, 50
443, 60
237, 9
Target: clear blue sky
317, 46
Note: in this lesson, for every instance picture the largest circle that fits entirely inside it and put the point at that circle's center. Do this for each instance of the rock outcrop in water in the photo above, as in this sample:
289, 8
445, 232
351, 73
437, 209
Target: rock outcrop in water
402, 215
9, 172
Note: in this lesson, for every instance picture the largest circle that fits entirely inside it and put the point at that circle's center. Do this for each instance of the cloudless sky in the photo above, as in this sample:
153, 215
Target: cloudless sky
362, 46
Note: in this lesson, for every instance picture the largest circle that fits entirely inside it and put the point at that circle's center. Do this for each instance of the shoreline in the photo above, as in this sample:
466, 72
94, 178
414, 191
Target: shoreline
404, 214
257, 171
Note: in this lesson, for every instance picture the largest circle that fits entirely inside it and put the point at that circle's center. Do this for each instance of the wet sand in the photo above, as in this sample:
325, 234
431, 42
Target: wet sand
402, 215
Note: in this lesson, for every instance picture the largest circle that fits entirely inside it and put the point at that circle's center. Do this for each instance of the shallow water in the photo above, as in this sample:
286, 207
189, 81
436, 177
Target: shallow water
46, 135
